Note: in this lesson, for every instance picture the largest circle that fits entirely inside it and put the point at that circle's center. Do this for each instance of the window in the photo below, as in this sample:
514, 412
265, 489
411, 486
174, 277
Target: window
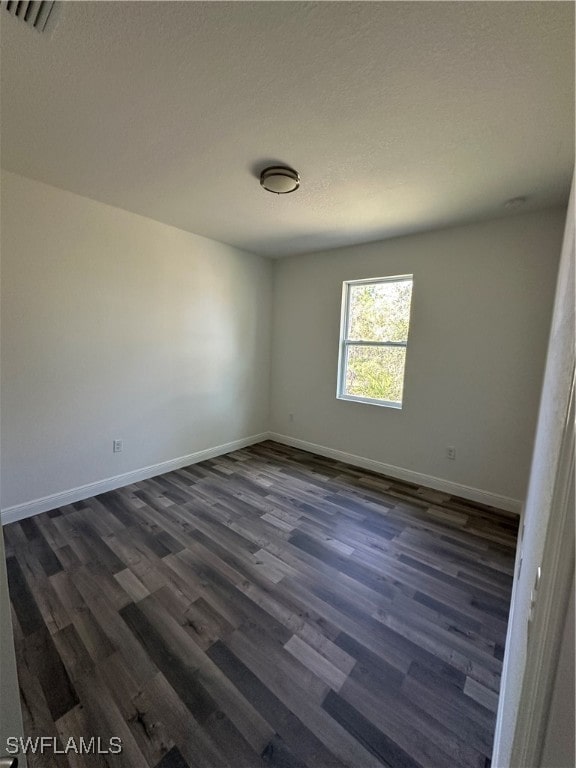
373, 339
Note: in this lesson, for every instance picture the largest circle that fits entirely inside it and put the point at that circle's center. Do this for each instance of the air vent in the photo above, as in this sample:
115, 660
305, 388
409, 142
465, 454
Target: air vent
35, 13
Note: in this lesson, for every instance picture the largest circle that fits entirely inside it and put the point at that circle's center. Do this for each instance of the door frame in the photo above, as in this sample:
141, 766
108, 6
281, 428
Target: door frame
546, 629
538, 604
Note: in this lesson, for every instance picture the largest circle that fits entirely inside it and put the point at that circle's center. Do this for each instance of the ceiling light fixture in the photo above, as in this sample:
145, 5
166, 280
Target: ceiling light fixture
280, 179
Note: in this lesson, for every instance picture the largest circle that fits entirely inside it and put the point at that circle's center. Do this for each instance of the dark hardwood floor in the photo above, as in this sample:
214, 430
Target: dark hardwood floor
265, 608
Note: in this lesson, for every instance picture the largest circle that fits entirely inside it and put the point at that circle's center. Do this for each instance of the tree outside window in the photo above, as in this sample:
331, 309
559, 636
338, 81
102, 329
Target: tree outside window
375, 324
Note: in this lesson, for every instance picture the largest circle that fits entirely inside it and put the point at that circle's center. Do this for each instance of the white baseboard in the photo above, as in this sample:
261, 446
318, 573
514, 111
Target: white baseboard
34, 507
399, 473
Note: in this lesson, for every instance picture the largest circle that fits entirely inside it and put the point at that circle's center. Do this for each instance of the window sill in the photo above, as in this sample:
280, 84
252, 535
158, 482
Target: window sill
370, 401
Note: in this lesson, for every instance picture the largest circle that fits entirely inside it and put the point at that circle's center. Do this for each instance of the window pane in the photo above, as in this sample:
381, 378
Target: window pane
375, 372
379, 311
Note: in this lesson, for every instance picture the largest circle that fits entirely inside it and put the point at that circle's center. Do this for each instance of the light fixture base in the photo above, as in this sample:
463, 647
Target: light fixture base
279, 179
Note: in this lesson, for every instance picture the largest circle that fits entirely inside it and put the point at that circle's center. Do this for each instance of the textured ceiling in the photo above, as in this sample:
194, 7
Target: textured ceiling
400, 116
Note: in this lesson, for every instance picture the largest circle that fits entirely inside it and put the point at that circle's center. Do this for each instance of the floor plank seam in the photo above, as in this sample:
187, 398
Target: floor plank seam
264, 608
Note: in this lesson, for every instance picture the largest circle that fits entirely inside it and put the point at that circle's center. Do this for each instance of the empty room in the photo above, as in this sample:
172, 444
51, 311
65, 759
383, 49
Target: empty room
287, 372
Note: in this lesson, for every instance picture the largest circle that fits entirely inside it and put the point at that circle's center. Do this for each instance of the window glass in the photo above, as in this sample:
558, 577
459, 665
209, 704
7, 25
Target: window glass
375, 324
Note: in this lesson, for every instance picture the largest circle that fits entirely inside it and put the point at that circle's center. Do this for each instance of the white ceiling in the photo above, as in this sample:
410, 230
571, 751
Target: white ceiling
400, 116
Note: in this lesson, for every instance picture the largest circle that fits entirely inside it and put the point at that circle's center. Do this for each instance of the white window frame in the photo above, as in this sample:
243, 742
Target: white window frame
345, 342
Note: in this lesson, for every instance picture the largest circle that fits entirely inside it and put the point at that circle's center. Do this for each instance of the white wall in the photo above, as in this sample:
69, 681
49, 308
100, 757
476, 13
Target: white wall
482, 302
542, 520
116, 326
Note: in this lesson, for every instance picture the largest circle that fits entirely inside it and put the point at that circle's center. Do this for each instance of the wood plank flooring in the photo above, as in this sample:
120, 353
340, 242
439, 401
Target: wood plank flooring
265, 608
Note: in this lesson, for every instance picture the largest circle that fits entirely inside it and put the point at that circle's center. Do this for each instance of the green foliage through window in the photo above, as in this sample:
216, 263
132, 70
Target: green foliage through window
373, 350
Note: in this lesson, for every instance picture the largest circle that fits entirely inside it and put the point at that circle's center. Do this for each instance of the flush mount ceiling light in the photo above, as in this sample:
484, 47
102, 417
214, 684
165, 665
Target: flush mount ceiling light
280, 179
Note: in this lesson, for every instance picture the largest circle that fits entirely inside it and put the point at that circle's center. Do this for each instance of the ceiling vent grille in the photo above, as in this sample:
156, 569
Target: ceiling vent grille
34, 13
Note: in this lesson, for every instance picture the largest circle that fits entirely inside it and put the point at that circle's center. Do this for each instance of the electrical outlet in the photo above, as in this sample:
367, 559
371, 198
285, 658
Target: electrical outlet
117, 446
450, 452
